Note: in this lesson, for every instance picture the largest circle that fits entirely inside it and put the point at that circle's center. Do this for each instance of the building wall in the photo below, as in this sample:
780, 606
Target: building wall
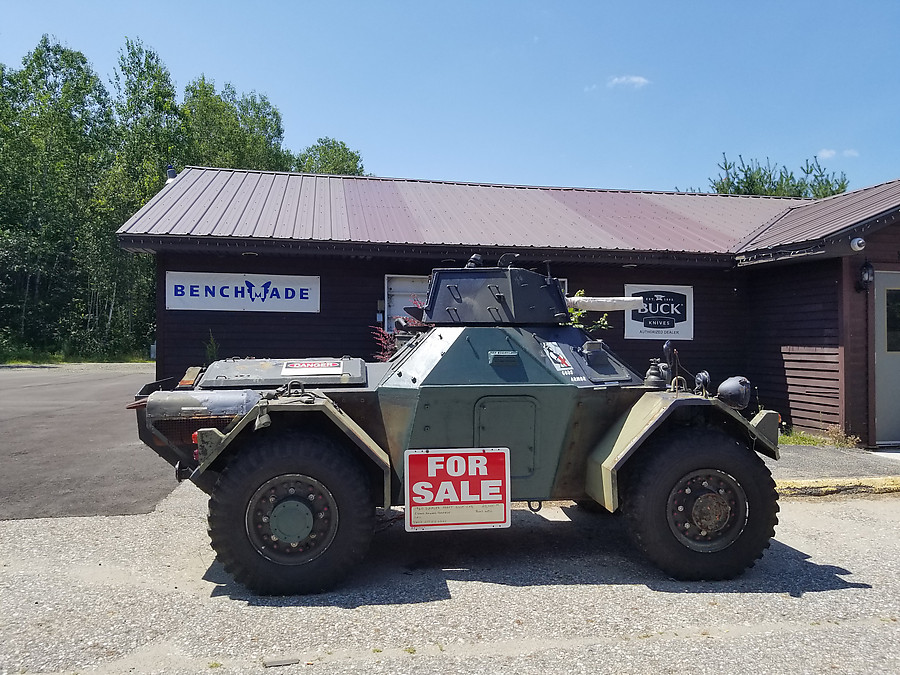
350, 292
720, 323
795, 352
801, 332
856, 328
352, 288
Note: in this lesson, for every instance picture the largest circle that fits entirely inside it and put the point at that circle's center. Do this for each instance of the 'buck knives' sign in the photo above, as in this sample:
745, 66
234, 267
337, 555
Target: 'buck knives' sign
668, 313
241, 292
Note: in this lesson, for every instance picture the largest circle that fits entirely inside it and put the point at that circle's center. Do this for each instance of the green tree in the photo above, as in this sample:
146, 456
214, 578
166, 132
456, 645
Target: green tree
330, 156
211, 127
55, 133
263, 133
76, 163
112, 310
232, 131
754, 178
149, 124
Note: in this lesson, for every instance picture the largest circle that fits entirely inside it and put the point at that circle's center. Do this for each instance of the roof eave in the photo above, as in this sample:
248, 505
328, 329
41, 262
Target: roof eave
254, 246
835, 245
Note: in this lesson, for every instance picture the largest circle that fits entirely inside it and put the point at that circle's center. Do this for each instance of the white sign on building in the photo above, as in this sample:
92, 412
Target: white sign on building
667, 314
241, 292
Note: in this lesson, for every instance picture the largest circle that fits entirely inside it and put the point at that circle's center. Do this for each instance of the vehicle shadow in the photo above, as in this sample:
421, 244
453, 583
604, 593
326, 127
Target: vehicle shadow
589, 549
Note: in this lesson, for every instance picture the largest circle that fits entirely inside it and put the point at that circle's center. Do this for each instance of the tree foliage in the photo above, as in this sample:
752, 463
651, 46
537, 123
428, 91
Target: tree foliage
77, 162
327, 155
754, 178
57, 136
228, 130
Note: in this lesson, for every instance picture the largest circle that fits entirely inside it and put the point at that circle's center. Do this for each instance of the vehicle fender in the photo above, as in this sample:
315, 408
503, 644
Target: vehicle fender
211, 443
645, 417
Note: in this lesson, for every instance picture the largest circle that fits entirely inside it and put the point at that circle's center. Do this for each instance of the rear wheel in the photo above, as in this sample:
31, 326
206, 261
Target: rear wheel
291, 514
700, 505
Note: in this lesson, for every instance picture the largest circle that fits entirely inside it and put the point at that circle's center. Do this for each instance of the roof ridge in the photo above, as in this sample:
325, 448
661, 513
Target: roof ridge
857, 191
513, 186
746, 241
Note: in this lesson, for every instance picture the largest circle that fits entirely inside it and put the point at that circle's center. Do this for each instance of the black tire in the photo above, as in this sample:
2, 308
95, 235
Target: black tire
291, 514
700, 505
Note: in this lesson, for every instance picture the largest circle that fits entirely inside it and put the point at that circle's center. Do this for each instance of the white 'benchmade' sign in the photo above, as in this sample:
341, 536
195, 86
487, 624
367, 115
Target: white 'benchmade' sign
241, 292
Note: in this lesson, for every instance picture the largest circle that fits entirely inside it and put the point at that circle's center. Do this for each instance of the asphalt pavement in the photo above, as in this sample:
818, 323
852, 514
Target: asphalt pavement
68, 446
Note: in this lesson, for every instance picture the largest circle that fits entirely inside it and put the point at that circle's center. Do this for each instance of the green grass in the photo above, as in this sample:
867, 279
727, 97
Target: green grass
832, 436
795, 437
32, 357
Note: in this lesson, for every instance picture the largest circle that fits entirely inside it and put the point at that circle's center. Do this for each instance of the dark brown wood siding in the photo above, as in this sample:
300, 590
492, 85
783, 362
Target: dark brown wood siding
720, 324
795, 352
350, 292
855, 330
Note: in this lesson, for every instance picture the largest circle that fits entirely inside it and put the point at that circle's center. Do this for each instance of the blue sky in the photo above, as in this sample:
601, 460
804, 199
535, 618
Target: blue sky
626, 95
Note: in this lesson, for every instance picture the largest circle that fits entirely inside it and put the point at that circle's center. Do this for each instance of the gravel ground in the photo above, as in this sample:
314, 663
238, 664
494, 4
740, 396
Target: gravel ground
561, 591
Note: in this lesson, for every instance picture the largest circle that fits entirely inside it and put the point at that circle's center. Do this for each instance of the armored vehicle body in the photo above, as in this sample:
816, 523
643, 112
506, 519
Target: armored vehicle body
494, 399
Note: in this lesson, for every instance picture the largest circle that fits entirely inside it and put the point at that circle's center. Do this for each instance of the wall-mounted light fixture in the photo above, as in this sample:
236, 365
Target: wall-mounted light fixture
865, 276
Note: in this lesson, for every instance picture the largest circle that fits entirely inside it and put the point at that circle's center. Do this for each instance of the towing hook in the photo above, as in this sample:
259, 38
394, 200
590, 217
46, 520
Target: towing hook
535, 506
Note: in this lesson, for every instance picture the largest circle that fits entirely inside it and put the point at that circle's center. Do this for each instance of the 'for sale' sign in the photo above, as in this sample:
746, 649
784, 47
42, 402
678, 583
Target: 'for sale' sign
457, 489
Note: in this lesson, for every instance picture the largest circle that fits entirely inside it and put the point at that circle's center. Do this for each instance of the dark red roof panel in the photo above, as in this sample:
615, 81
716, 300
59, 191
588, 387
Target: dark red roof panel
827, 217
229, 203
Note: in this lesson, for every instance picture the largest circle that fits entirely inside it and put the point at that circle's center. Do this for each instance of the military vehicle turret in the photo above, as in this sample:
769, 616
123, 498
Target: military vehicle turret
494, 399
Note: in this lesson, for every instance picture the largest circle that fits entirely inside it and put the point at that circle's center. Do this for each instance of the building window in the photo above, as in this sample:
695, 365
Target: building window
402, 290
892, 312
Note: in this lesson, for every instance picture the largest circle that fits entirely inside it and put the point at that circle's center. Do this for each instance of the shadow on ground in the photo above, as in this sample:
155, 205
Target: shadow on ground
591, 549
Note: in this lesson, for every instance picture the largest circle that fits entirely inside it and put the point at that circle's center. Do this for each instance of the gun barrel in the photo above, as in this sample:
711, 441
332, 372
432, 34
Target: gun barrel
605, 304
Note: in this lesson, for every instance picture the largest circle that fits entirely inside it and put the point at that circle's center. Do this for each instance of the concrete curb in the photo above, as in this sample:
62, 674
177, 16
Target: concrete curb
822, 487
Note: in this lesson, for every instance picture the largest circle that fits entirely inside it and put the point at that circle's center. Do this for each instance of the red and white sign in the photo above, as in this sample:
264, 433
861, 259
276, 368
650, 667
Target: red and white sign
317, 367
457, 489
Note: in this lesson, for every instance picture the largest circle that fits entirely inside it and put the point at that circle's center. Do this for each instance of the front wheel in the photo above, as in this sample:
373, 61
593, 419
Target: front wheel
700, 505
291, 514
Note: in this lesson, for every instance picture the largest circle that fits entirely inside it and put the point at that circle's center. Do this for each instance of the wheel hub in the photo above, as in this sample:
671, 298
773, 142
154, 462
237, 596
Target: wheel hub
710, 512
291, 519
707, 510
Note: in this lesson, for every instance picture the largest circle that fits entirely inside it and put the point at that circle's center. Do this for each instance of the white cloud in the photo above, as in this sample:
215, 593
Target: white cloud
634, 81
828, 153
588, 88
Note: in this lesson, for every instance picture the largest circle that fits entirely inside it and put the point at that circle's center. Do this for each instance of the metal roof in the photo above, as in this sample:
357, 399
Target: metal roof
218, 205
825, 218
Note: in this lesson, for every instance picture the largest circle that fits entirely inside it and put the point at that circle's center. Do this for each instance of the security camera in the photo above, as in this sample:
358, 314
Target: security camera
857, 244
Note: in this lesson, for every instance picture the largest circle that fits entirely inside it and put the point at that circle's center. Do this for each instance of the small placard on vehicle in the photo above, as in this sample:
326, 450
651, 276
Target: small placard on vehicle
457, 488
316, 367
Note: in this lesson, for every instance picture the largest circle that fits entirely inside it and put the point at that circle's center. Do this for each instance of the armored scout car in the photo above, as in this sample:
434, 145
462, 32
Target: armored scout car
493, 399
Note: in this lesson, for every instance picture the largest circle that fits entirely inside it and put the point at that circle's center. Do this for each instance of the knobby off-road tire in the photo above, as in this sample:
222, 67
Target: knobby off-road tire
700, 505
291, 514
